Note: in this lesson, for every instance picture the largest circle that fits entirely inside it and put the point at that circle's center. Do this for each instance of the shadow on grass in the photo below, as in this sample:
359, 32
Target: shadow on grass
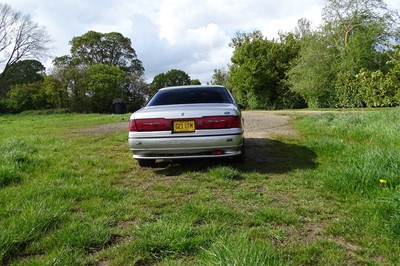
273, 156
262, 156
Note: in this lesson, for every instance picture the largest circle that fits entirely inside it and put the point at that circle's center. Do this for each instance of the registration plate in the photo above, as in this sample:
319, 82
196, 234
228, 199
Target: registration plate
184, 126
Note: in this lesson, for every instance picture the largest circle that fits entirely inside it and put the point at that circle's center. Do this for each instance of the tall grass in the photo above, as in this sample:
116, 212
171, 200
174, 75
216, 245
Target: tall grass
360, 149
360, 163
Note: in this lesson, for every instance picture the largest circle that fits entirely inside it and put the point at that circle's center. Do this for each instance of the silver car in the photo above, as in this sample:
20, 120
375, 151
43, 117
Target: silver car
187, 122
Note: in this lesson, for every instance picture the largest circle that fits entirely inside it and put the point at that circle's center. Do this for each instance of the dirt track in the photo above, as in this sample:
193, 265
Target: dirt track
257, 124
261, 124
261, 131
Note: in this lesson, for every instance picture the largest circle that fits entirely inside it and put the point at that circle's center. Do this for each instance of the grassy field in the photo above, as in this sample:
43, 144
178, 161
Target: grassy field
70, 194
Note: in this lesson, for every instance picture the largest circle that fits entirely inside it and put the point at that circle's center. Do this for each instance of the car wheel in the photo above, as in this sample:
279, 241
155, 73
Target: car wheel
147, 163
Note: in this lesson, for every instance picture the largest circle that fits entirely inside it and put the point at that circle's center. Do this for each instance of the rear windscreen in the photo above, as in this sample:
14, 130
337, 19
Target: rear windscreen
191, 96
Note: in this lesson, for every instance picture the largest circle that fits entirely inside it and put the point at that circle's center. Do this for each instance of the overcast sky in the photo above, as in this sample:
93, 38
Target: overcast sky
189, 35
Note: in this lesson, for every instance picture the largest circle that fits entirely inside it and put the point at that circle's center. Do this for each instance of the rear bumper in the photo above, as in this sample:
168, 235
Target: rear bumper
186, 147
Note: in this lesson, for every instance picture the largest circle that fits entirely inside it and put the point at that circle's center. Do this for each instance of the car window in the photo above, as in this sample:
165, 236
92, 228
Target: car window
191, 96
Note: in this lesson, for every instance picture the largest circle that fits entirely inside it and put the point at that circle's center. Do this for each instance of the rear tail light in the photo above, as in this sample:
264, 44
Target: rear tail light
236, 122
132, 125
206, 122
217, 122
158, 124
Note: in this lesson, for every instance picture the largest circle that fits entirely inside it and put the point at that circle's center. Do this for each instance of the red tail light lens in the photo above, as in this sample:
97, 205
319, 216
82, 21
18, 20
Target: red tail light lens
206, 122
132, 125
217, 122
158, 124
236, 122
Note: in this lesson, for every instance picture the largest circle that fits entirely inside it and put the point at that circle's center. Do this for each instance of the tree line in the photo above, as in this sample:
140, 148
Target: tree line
101, 71
351, 60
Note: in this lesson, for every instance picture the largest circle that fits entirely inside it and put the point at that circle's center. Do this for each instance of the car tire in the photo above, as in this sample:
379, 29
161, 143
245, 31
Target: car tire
147, 163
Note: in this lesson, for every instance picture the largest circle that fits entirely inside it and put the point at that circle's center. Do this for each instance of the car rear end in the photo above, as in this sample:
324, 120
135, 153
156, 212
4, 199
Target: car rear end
186, 131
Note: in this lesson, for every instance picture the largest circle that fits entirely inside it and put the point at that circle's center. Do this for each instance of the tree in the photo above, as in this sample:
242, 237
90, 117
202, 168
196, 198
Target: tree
173, 77
137, 92
360, 30
303, 28
100, 52
24, 71
351, 41
42, 94
112, 49
195, 82
250, 70
27, 96
71, 78
159, 81
313, 73
20, 38
104, 85
56, 95
219, 77
257, 74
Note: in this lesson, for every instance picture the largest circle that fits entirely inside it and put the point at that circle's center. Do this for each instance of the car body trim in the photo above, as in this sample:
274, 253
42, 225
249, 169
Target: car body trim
177, 135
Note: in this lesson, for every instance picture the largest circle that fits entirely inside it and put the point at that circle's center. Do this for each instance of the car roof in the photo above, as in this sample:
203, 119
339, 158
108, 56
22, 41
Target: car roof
192, 86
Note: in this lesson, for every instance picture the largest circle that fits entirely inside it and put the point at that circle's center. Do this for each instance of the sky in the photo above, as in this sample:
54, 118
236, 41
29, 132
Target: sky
188, 35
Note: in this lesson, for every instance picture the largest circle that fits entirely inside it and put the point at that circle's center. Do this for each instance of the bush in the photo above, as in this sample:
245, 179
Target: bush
367, 89
5, 106
348, 90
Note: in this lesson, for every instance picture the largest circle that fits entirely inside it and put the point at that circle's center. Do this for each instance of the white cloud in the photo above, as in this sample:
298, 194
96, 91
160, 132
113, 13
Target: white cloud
183, 34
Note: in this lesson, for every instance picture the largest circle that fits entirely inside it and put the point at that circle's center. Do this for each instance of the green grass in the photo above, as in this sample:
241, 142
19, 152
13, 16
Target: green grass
239, 249
355, 152
70, 194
